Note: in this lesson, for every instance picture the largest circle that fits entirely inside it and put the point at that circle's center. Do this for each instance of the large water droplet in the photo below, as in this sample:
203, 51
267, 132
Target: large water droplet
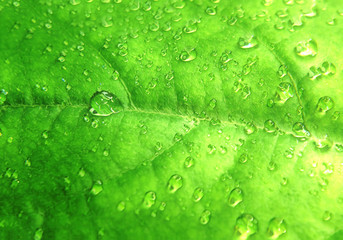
235, 197
306, 48
276, 228
175, 183
104, 104
324, 104
246, 225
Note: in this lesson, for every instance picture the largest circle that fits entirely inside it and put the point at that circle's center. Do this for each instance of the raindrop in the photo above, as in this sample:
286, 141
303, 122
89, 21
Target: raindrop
246, 225
235, 197
175, 183
247, 42
104, 104
306, 48
276, 227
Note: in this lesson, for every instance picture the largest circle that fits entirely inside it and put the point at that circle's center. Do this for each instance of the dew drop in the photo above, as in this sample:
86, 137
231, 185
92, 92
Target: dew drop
276, 228
96, 188
175, 183
205, 217
235, 197
269, 126
198, 194
189, 162
188, 55
250, 128
149, 199
246, 225
324, 104
38, 234
247, 42
121, 206
300, 130
3, 97
284, 92
211, 11
306, 48
104, 104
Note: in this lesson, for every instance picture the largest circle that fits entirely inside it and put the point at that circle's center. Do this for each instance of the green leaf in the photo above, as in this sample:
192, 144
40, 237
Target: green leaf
171, 119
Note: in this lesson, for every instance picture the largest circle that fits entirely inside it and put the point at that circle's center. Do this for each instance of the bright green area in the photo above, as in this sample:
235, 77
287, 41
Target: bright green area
170, 119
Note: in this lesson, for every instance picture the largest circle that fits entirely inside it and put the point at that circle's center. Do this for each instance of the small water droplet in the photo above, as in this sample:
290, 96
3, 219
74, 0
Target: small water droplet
121, 206
247, 42
38, 234
269, 126
205, 217
189, 162
327, 216
149, 199
211, 11
198, 194
250, 128
96, 188
188, 55
175, 183
235, 197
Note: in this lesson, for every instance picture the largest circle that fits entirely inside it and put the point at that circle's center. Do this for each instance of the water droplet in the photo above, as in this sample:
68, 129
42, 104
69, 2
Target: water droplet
175, 183
246, 225
284, 92
213, 103
121, 206
339, 147
269, 126
45, 134
188, 55
38, 234
247, 42
211, 11
276, 227
3, 97
104, 104
327, 216
300, 130
306, 48
191, 27
149, 199
324, 104
235, 197
96, 188
283, 70
243, 158
250, 128
189, 161
205, 217
198, 194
